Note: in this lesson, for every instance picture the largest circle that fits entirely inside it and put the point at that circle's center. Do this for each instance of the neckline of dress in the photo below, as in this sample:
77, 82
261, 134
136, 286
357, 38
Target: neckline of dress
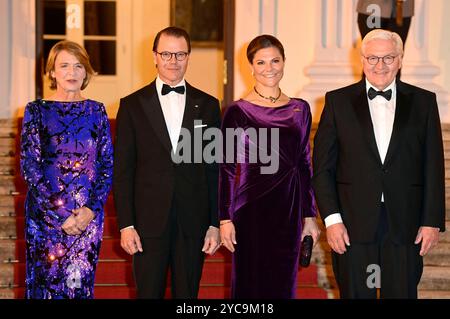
269, 107
56, 101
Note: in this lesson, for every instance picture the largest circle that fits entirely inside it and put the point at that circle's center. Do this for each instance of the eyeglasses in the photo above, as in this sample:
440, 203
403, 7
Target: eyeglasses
373, 60
167, 56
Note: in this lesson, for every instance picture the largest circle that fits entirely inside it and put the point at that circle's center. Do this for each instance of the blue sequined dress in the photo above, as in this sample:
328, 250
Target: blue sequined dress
67, 163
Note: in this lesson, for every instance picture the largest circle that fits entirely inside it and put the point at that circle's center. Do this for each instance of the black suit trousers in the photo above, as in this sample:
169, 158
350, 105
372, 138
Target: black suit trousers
172, 253
394, 269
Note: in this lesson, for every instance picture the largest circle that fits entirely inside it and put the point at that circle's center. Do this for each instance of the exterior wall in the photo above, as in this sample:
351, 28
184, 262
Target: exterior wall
294, 22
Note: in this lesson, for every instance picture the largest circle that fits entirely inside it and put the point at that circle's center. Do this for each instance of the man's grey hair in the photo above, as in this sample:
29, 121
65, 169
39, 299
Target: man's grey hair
381, 34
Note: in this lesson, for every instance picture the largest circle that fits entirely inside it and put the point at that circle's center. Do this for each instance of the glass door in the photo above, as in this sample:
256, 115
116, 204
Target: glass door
101, 27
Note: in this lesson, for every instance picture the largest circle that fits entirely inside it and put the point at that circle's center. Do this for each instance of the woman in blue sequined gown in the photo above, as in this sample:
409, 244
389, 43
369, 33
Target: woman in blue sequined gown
66, 161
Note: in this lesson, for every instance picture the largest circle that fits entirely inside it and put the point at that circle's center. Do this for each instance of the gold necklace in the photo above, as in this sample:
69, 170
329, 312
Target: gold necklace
271, 98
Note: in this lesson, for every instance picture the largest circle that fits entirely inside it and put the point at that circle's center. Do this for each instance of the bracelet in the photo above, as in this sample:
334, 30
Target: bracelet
226, 222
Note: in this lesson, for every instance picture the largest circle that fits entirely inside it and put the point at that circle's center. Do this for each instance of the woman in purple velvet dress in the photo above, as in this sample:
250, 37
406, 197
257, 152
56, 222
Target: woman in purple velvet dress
266, 208
66, 160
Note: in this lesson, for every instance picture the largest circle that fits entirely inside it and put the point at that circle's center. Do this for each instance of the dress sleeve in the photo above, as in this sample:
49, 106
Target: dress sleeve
307, 197
229, 168
104, 166
31, 158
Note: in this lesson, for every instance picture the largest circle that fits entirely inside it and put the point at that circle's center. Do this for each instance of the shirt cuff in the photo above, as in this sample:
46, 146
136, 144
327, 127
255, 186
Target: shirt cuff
332, 219
127, 227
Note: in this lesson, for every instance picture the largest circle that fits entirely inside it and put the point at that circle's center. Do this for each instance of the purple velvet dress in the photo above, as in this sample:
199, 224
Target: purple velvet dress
267, 209
67, 162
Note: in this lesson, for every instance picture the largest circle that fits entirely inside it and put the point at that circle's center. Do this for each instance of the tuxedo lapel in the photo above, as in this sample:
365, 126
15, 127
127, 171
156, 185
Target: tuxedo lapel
402, 110
191, 109
152, 108
361, 108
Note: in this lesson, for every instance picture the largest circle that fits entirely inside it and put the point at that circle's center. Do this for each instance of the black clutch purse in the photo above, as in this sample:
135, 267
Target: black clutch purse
306, 251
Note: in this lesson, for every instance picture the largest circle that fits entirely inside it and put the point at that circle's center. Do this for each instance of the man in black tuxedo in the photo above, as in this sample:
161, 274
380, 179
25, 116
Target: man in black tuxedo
167, 211
379, 176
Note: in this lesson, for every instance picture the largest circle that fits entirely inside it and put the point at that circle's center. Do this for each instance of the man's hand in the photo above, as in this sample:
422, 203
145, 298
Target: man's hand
337, 238
429, 236
70, 226
83, 216
130, 241
228, 235
310, 228
212, 241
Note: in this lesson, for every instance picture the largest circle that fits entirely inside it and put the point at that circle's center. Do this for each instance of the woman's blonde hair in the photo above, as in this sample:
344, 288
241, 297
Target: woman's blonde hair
76, 50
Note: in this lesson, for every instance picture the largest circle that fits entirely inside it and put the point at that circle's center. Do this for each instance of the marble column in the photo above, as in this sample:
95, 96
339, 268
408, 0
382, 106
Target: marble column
19, 48
417, 68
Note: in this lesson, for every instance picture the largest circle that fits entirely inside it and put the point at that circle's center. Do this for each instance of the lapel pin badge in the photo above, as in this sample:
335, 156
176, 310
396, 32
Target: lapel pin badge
196, 105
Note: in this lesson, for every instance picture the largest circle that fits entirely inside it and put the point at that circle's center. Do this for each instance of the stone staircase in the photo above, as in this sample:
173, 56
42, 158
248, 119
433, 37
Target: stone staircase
435, 281
8, 169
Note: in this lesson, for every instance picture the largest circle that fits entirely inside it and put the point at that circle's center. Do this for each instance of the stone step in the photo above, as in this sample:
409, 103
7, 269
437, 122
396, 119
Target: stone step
422, 294
8, 148
7, 211
7, 250
433, 294
7, 170
6, 274
435, 278
438, 256
6, 152
8, 142
7, 227
7, 184
6, 293
445, 236
6, 202
7, 122
9, 129
6, 132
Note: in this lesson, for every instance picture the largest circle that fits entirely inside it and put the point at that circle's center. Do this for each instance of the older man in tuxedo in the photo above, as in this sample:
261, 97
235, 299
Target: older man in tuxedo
167, 210
379, 176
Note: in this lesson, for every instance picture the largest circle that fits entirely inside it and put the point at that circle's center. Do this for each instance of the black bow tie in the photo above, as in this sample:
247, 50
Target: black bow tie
386, 94
166, 89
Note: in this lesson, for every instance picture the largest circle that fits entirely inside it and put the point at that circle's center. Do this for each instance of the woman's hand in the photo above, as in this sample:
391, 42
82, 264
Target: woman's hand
310, 228
228, 234
70, 226
83, 216
212, 241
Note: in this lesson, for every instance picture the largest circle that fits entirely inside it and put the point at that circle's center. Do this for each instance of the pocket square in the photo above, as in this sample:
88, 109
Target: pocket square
200, 125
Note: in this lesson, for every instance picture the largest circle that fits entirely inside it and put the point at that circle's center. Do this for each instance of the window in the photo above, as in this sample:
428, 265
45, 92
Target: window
100, 35
90, 23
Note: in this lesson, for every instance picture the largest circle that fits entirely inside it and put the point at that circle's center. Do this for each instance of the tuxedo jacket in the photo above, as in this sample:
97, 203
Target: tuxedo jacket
148, 184
349, 176
386, 7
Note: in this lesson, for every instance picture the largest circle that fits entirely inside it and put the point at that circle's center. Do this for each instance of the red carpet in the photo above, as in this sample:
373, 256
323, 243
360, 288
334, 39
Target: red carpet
114, 272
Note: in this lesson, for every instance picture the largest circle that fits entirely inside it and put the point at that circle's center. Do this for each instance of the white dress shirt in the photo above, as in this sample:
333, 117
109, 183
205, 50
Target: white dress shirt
382, 113
172, 105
